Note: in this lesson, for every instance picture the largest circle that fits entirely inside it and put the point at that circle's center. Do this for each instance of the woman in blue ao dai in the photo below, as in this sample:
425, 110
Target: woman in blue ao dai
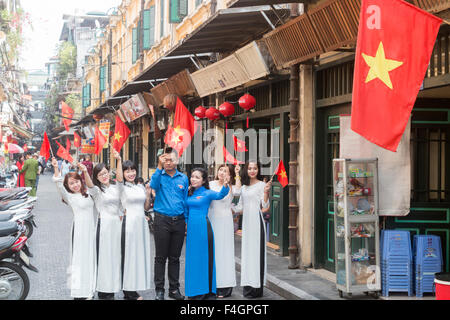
200, 275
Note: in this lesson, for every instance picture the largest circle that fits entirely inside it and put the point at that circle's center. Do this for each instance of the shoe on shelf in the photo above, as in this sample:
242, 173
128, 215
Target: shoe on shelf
176, 295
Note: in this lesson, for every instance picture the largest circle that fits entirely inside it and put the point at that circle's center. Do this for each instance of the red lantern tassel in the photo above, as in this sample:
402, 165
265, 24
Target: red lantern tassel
226, 126
247, 121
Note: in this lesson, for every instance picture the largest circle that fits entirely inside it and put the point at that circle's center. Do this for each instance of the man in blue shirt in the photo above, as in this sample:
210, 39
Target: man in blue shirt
171, 187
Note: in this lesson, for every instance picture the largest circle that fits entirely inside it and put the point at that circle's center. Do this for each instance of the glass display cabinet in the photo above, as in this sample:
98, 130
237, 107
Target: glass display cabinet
357, 254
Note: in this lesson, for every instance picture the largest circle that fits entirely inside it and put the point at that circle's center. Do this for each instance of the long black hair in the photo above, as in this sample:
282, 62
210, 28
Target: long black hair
245, 177
129, 165
204, 176
99, 167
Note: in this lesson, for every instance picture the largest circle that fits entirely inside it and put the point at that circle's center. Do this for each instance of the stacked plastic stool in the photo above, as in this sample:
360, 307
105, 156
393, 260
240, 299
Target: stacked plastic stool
396, 262
427, 261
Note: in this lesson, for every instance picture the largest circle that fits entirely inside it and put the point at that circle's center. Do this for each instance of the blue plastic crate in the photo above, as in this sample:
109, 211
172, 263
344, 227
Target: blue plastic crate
427, 261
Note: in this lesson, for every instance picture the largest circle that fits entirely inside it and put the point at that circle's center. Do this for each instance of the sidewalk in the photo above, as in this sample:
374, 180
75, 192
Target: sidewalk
292, 284
310, 284
296, 284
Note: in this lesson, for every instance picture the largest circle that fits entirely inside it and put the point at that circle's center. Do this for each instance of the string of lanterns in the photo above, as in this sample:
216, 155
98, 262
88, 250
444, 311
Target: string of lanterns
226, 109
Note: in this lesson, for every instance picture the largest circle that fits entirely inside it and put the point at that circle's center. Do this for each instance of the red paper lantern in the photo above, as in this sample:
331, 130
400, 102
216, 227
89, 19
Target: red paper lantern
97, 117
247, 102
227, 109
212, 113
200, 112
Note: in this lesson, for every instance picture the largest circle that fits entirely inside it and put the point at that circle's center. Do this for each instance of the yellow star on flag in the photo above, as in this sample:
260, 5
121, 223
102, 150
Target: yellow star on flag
380, 66
117, 136
177, 134
283, 174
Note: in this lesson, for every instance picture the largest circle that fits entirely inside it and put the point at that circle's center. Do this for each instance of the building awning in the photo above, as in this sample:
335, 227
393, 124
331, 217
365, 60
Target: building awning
19, 130
225, 31
249, 3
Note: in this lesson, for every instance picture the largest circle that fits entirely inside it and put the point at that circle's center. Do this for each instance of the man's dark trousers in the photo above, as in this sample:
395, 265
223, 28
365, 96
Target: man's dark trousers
169, 235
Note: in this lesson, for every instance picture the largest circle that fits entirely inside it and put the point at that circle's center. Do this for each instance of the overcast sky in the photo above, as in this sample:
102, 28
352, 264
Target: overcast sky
47, 21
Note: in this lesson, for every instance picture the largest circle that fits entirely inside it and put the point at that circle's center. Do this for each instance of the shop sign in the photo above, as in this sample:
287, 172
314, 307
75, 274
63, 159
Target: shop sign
104, 126
87, 146
134, 108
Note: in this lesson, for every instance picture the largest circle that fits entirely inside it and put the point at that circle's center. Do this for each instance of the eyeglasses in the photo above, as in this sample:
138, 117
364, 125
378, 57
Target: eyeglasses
103, 174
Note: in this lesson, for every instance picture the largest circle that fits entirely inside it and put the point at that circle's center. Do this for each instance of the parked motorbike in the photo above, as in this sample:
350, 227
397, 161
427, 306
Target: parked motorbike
14, 281
19, 209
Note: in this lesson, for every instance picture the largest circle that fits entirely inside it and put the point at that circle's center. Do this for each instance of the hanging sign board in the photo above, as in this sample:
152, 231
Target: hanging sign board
134, 108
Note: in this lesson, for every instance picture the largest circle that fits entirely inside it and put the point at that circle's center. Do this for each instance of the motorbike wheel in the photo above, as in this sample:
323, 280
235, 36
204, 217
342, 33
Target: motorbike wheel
14, 282
29, 229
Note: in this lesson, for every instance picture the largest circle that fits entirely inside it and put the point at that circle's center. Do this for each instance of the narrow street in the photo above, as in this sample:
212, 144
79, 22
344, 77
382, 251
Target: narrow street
50, 246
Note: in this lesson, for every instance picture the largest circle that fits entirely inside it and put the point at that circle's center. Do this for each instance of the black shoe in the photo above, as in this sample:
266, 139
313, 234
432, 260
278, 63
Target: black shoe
176, 295
159, 295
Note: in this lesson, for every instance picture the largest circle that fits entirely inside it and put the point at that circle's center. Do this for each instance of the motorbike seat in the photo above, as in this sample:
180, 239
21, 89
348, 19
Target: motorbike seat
6, 242
6, 217
8, 228
5, 205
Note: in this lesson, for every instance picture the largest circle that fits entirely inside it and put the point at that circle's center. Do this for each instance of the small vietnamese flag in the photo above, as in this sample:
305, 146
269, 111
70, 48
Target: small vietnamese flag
67, 113
25, 147
121, 134
229, 157
63, 153
45, 147
281, 174
76, 140
68, 144
99, 140
239, 145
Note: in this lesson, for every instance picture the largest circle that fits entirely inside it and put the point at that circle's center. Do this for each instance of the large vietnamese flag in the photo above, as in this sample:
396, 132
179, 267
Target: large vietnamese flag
180, 135
395, 41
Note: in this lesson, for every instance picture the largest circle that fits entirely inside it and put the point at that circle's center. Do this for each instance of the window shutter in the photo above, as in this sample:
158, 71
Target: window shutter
88, 103
102, 78
175, 11
183, 9
83, 97
148, 28
161, 33
135, 45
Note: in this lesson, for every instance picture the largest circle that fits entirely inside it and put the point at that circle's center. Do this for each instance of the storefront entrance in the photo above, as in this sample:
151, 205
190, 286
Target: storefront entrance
430, 178
327, 148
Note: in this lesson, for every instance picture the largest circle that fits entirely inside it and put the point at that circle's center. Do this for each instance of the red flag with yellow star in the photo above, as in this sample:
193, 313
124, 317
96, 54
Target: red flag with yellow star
239, 145
76, 140
395, 42
63, 153
179, 135
121, 134
99, 140
281, 174
67, 113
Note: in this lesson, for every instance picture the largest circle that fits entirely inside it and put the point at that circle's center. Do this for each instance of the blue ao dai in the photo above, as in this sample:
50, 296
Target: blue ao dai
200, 274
